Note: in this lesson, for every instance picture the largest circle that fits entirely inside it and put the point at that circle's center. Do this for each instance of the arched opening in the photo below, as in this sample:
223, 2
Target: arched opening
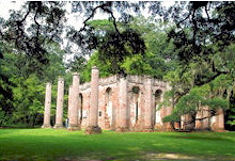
108, 108
157, 100
80, 108
135, 107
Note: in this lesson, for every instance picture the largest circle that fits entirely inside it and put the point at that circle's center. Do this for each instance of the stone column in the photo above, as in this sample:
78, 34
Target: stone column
93, 127
59, 104
123, 105
73, 107
47, 110
148, 105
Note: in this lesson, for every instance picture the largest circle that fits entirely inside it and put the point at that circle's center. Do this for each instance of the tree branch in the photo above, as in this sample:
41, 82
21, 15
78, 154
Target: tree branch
26, 15
184, 19
206, 10
114, 20
35, 20
93, 13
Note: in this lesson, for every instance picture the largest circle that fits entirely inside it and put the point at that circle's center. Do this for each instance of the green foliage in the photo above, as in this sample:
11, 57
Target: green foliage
56, 66
22, 99
174, 117
3, 118
160, 53
231, 114
136, 65
105, 68
115, 47
77, 64
156, 61
102, 26
28, 99
196, 98
192, 84
195, 54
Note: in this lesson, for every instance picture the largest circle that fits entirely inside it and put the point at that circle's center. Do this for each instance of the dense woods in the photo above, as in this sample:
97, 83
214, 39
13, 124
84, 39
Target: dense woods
190, 44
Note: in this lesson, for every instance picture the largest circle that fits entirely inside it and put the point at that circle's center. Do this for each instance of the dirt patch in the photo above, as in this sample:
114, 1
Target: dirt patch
169, 156
178, 157
78, 159
152, 157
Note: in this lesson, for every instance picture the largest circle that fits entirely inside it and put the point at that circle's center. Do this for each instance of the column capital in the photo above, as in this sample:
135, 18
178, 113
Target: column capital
95, 67
123, 78
148, 77
60, 78
76, 74
48, 83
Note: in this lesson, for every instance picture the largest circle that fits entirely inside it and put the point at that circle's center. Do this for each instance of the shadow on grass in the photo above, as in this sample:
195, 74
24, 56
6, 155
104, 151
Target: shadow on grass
49, 144
202, 137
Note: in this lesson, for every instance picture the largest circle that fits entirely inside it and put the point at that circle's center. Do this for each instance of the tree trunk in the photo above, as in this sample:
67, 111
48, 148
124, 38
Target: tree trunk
34, 119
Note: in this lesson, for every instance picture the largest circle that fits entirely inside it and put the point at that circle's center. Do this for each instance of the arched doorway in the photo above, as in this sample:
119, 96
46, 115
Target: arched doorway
157, 100
108, 108
135, 106
80, 109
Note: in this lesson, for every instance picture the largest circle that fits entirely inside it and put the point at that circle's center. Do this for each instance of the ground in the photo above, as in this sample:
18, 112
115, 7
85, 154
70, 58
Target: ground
63, 145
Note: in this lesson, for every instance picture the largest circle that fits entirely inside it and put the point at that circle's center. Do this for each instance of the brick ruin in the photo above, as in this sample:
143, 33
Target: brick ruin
120, 104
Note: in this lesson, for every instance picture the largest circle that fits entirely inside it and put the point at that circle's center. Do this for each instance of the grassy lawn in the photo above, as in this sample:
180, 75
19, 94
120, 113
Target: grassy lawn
63, 145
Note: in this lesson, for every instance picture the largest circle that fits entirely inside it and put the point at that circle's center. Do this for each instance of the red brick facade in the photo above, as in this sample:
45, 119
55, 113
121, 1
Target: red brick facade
129, 113
125, 104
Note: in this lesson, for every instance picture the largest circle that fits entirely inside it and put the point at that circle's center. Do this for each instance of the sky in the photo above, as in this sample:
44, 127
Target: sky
5, 6
73, 19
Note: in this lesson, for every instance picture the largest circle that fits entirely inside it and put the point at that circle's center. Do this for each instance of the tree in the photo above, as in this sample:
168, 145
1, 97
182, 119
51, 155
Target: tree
203, 38
36, 24
23, 97
152, 62
28, 100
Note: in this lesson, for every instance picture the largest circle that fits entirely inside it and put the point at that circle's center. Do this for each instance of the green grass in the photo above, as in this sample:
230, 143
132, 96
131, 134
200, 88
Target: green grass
51, 144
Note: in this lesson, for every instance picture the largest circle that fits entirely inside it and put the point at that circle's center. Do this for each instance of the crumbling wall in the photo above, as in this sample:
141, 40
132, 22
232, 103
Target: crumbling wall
130, 103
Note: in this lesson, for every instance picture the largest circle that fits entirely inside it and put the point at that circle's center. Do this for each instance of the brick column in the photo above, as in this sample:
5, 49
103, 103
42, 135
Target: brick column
47, 110
189, 122
219, 121
168, 110
182, 122
167, 125
93, 127
148, 105
73, 107
59, 104
177, 125
198, 122
123, 105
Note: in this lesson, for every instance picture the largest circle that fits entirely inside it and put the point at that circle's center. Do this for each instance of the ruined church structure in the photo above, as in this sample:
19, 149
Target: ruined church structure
121, 104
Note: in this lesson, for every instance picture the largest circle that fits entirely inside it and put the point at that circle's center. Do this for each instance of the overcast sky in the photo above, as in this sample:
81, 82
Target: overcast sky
72, 18
5, 6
